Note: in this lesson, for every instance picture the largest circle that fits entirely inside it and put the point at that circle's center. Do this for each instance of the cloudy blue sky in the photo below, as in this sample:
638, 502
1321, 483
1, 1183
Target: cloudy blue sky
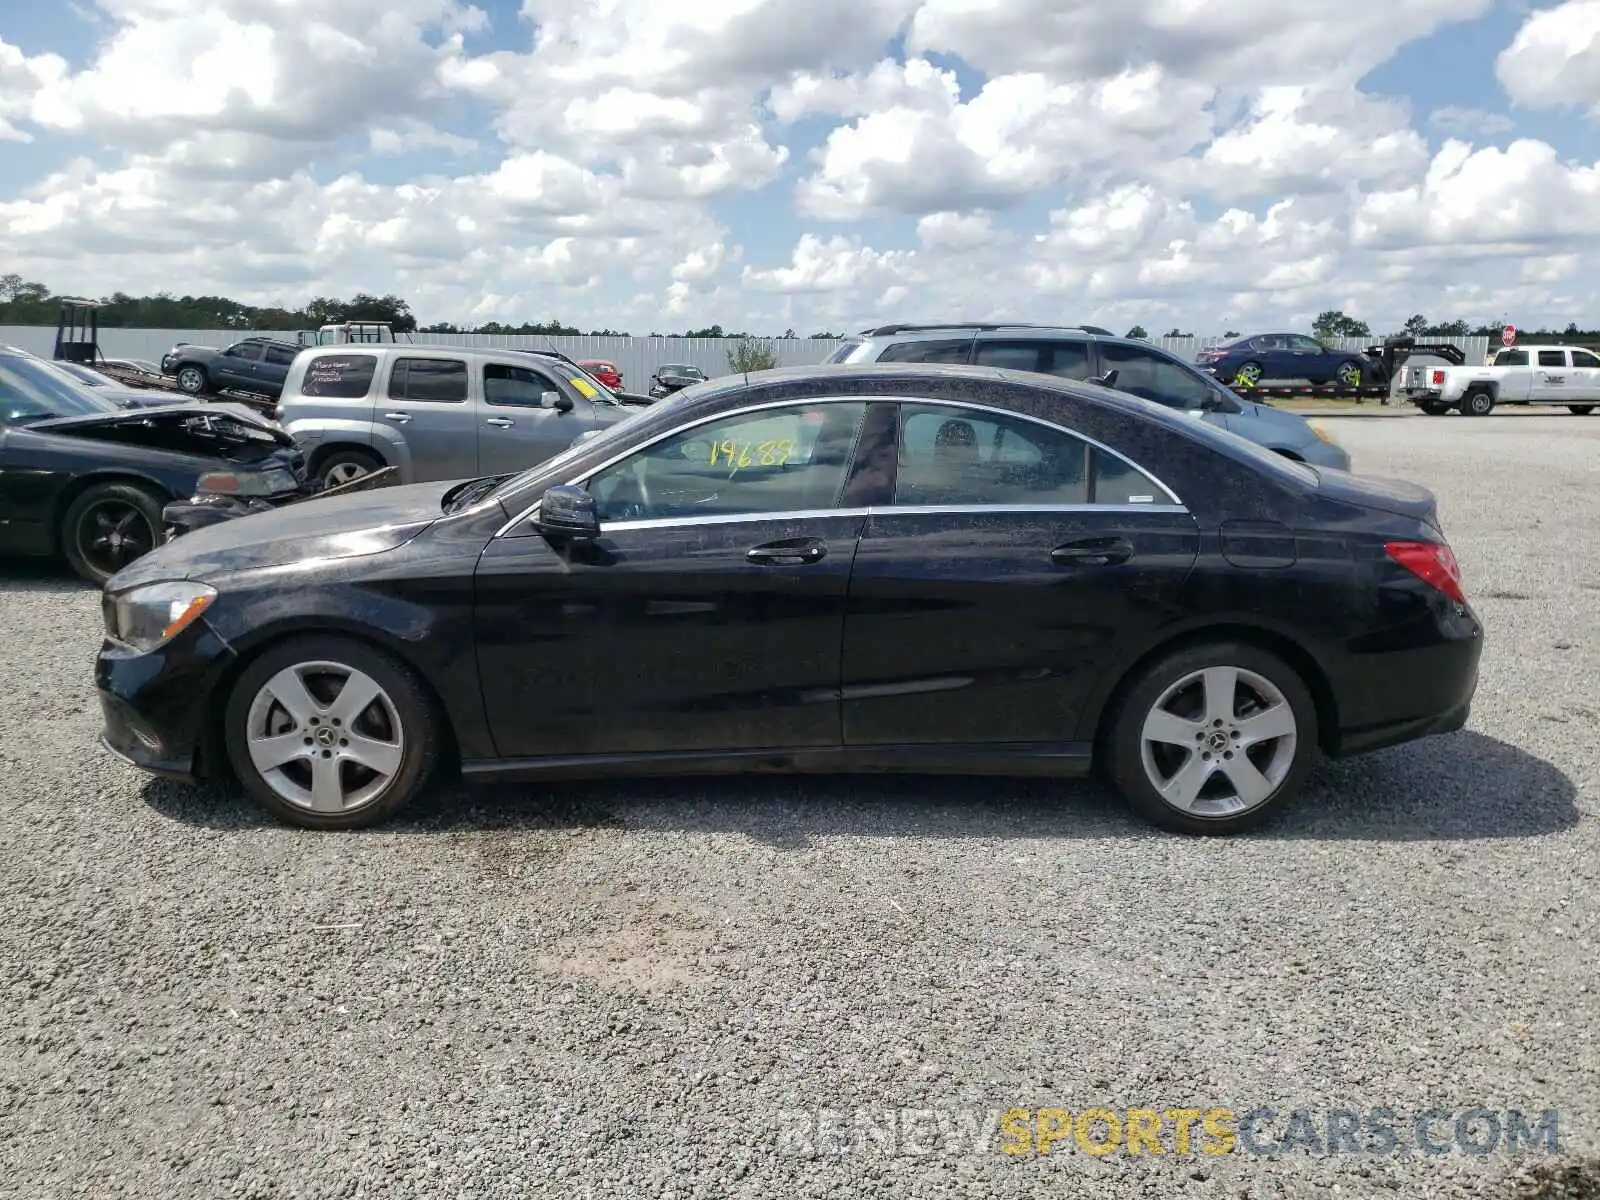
767, 164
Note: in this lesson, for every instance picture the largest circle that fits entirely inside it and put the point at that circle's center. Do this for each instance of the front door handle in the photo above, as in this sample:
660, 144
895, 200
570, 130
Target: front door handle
500, 422
400, 417
791, 552
1093, 552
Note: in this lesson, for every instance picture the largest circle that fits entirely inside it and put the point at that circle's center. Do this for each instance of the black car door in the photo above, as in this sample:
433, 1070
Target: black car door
1017, 562
708, 615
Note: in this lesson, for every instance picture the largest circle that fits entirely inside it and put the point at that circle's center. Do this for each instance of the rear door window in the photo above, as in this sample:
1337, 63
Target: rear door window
429, 380
1068, 359
339, 376
1552, 358
949, 351
1153, 376
280, 356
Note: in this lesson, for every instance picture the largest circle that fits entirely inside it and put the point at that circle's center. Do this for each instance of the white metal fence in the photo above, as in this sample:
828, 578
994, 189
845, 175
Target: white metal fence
636, 357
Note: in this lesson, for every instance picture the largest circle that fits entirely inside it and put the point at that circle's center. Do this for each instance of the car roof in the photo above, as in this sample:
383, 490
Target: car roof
972, 328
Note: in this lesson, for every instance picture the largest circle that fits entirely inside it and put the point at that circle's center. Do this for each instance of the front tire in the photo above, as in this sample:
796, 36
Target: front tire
1580, 410
345, 466
107, 527
1213, 739
193, 380
326, 732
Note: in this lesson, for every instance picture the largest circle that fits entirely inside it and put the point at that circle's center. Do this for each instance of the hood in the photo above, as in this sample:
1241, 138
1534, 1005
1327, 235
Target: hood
1271, 415
336, 527
185, 427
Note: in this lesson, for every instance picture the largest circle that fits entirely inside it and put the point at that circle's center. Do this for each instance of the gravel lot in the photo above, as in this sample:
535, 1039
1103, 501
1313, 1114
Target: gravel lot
617, 989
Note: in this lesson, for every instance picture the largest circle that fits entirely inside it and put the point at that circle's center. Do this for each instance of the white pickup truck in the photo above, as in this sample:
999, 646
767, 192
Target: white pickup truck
1517, 375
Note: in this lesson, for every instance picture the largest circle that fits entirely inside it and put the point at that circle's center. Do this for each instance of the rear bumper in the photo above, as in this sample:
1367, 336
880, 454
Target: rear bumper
1395, 695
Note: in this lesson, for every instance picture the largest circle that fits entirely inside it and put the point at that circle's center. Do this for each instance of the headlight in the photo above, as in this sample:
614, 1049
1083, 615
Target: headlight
1322, 432
269, 482
144, 617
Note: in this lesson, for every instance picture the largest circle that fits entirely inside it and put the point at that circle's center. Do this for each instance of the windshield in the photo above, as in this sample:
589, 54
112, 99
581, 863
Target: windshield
587, 385
84, 375
33, 390
843, 352
683, 369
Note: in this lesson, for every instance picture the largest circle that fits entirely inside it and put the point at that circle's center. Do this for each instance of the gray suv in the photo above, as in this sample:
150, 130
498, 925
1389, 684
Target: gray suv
436, 412
1091, 354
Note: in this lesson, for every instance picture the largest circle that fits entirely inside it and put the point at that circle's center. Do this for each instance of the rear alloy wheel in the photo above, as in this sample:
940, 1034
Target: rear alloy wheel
1247, 376
107, 527
193, 380
330, 733
1213, 739
1349, 375
1580, 410
345, 466
1478, 403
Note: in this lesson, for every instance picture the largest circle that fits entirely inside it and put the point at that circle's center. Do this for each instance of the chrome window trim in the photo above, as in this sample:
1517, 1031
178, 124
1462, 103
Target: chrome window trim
1177, 504
886, 510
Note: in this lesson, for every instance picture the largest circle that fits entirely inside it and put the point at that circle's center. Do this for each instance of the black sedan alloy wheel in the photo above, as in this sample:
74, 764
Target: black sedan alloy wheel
109, 526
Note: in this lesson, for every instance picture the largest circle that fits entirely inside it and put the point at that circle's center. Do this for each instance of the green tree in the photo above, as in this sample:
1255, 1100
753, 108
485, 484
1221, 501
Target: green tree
1335, 324
1138, 331
1416, 325
750, 354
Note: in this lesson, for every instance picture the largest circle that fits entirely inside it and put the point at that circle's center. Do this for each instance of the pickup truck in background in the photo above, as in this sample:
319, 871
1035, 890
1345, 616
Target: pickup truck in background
1561, 375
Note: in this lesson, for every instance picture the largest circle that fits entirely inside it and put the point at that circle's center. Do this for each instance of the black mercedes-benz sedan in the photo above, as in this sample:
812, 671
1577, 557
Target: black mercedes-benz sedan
892, 567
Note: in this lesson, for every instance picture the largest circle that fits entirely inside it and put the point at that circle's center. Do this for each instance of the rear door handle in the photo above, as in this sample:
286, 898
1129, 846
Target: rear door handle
791, 552
1093, 552
500, 422
400, 417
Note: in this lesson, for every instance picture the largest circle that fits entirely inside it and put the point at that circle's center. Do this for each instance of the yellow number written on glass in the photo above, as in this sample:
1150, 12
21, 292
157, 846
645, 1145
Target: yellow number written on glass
739, 455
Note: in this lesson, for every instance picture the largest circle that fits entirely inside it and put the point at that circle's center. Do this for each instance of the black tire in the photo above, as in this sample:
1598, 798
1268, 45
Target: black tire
420, 730
1479, 402
108, 526
351, 462
192, 379
1123, 743
1433, 408
1580, 410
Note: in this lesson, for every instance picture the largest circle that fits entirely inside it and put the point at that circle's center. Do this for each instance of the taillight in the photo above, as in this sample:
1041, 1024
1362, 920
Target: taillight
1432, 562
1438, 379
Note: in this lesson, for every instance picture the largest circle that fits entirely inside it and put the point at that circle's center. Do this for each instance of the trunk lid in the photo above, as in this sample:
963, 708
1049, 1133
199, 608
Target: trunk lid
1396, 496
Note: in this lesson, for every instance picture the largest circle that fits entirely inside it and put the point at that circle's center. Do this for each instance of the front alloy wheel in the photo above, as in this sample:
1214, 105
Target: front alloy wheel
1213, 738
329, 733
192, 380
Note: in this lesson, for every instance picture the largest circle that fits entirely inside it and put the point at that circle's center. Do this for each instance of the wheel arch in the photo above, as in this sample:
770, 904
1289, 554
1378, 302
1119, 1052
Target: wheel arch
214, 762
320, 455
1290, 651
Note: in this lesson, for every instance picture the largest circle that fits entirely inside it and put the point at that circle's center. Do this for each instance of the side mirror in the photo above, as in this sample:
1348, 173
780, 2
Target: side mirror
556, 401
1109, 379
567, 511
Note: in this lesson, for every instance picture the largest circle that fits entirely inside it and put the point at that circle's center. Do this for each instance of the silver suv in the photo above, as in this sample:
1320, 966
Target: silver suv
436, 412
1089, 353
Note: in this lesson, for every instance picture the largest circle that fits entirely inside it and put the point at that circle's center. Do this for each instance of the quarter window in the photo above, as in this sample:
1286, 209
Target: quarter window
1145, 373
956, 456
775, 460
1552, 358
339, 376
431, 380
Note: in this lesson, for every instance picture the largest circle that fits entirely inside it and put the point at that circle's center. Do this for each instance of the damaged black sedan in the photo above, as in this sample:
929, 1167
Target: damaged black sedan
86, 478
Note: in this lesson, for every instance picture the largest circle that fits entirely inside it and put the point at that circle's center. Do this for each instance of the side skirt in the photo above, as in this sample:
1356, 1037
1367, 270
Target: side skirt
1069, 760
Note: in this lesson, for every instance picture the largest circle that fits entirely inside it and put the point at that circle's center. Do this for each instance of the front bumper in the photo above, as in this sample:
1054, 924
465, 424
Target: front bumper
157, 705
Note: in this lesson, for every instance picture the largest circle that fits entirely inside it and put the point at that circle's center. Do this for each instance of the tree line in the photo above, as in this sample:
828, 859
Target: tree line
24, 302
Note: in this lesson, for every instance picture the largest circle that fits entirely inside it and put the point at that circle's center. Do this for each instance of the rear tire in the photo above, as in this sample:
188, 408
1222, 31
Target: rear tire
109, 526
310, 761
1248, 375
344, 466
1479, 402
1200, 701
1580, 410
